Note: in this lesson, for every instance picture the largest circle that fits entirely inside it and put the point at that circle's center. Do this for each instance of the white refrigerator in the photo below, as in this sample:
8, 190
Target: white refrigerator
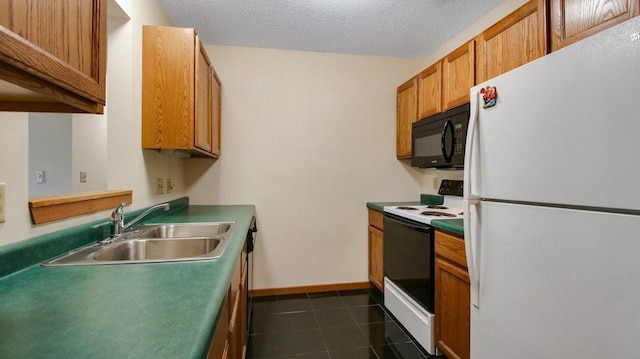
552, 205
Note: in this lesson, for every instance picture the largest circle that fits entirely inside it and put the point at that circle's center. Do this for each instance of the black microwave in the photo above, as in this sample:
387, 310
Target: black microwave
438, 141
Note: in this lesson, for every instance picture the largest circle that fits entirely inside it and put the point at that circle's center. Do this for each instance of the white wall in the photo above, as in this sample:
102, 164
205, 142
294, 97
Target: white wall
308, 138
90, 148
49, 131
129, 167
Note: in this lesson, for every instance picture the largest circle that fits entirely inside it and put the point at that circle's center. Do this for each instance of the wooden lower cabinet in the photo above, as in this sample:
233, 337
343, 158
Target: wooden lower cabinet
376, 249
237, 323
230, 337
453, 293
219, 343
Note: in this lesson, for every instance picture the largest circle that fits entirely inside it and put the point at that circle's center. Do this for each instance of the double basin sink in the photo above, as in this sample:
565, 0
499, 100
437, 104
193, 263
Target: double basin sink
170, 242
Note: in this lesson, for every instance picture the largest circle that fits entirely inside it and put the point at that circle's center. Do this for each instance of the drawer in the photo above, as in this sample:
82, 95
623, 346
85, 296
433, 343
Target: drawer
376, 218
451, 247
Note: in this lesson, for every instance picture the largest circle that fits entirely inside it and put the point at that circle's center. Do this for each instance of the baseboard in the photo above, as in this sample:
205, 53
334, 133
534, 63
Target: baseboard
310, 289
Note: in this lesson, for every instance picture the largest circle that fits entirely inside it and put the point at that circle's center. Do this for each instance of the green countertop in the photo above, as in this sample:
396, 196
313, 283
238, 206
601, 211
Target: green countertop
155, 310
455, 226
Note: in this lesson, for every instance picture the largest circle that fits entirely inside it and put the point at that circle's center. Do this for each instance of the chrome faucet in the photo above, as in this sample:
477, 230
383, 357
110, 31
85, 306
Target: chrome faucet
117, 218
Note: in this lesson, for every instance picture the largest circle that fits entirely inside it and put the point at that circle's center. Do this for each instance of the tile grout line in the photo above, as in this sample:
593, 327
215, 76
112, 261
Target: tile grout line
372, 300
361, 331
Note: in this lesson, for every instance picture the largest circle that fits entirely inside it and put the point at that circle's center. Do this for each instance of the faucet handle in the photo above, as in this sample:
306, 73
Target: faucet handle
118, 213
117, 220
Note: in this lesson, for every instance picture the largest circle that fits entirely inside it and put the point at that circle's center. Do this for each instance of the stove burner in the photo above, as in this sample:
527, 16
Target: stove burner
435, 206
437, 214
408, 208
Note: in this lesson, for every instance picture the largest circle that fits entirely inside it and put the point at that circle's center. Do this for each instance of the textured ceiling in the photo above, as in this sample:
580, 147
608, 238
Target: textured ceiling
398, 28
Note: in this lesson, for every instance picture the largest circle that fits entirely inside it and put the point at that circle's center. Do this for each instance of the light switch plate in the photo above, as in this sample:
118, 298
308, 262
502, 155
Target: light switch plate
40, 176
83, 177
3, 194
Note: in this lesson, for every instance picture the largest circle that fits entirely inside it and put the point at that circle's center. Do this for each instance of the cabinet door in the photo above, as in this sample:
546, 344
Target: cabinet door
453, 294
575, 20
203, 100
168, 74
235, 324
407, 114
430, 91
219, 343
179, 89
458, 75
241, 341
518, 38
57, 49
376, 255
216, 142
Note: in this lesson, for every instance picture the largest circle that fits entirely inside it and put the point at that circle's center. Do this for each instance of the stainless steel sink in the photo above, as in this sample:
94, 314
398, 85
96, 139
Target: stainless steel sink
158, 249
180, 230
169, 242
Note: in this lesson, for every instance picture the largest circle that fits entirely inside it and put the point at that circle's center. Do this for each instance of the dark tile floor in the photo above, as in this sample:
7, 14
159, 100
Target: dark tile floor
330, 325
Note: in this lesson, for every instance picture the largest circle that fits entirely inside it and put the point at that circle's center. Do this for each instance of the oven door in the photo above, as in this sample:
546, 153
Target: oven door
409, 258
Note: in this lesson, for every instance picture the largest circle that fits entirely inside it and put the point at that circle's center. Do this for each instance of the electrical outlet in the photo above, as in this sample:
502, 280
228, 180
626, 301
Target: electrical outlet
159, 186
83, 177
169, 185
435, 182
3, 194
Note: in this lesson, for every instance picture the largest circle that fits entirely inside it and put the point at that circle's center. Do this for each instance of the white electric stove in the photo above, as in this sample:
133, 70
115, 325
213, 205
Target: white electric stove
451, 208
409, 257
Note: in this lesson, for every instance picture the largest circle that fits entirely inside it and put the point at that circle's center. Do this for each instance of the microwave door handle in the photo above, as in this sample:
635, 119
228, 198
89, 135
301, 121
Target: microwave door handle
448, 128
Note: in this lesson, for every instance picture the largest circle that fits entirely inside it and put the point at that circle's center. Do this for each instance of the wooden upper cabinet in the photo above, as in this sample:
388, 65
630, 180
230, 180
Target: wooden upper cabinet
180, 94
458, 75
407, 114
204, 88
430, 91
53, 55
518, 38
575, 20
216, 119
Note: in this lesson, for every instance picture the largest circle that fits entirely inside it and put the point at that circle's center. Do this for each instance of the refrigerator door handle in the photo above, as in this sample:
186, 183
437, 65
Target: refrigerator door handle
471, 199
469, 168
471, 239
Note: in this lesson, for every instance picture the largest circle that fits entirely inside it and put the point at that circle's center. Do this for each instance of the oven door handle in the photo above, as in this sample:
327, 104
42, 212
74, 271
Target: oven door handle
407, 223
